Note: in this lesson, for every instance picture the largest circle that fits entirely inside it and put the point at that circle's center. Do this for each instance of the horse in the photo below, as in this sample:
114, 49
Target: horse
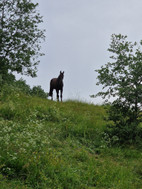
57, 84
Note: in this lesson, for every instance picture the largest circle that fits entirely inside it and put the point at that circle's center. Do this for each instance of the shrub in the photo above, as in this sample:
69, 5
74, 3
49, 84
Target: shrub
122, 128
23, 86
38, 91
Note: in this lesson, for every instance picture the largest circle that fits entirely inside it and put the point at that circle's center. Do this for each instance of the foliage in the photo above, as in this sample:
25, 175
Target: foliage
122, 79
20, 37
7, 79
38, 91
46, 144
121, 128
22, 86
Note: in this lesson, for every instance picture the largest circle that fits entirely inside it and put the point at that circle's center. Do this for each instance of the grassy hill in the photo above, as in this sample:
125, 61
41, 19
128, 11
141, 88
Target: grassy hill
45, 144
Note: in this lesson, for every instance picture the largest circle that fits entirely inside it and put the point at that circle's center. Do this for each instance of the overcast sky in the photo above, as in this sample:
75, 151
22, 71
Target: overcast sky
78, 34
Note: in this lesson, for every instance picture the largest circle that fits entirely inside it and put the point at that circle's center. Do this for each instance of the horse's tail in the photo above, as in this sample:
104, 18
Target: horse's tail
50, 91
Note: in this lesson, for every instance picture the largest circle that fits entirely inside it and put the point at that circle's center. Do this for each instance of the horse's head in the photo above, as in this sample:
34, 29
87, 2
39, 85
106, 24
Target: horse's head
61, 76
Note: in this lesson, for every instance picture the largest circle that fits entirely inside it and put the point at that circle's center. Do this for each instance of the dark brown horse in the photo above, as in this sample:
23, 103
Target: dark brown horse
57, 84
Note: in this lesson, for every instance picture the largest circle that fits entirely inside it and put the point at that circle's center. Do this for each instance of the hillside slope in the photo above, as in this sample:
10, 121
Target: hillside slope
46, 144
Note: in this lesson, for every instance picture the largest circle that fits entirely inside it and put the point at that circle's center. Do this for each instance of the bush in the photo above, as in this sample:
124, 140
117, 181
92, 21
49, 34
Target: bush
7, 78
38, 91
21, 84
121, 127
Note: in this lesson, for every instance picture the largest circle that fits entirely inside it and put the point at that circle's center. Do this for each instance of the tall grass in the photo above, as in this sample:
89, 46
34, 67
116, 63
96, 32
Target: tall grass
46, 144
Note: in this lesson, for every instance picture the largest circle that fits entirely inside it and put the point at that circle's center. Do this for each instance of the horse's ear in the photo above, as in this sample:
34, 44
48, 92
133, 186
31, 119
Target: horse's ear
63, 72
60, 72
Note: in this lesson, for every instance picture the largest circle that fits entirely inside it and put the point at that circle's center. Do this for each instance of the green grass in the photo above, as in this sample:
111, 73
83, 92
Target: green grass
46, 144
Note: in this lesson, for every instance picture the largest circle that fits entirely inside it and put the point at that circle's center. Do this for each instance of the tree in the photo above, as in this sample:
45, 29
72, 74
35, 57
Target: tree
122, 79
20, 37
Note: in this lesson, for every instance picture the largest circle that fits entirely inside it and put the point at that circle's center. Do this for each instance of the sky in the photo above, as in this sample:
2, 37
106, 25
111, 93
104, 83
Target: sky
78, 34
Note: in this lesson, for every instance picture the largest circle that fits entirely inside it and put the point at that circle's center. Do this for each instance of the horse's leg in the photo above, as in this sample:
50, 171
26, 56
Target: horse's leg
51, 90
61, 94
51, 94
57, 91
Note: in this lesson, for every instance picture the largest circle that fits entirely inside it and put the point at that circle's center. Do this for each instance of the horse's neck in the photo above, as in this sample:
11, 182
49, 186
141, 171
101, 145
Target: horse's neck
59, 80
